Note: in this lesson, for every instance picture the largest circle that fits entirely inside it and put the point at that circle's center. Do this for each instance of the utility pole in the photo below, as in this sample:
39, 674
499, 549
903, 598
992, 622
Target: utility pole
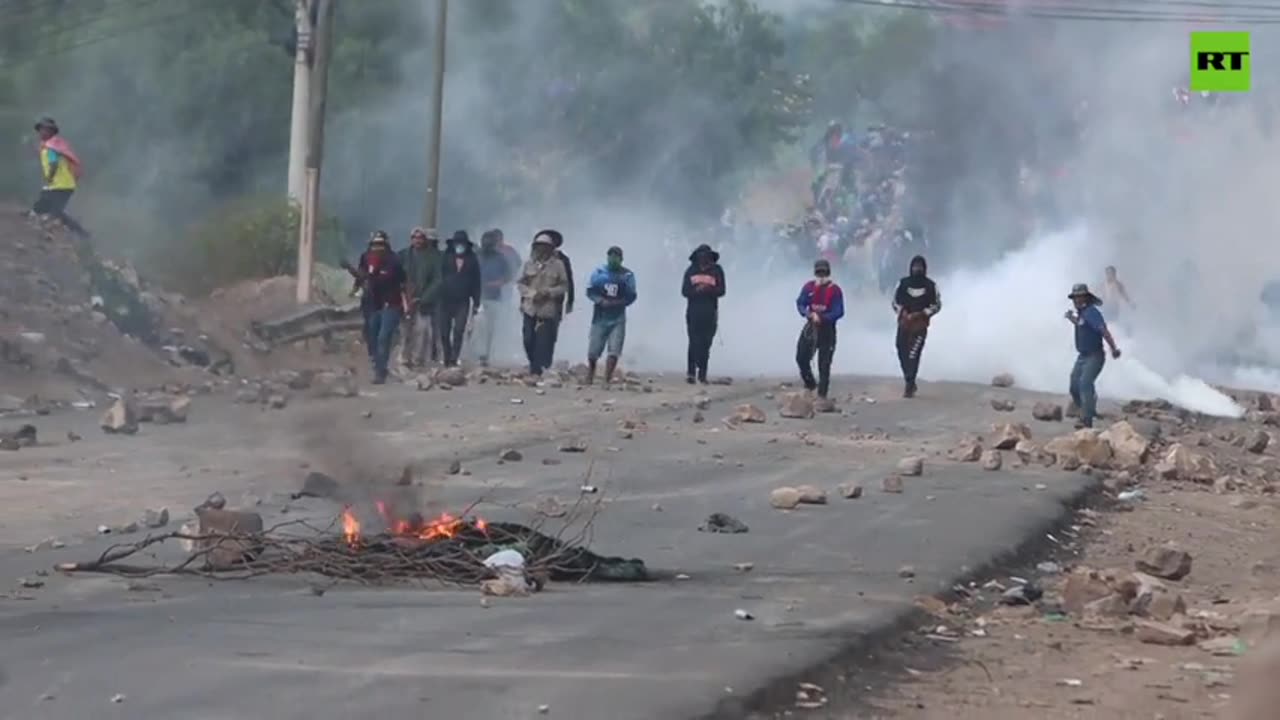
300, 121
315, 147
430, 213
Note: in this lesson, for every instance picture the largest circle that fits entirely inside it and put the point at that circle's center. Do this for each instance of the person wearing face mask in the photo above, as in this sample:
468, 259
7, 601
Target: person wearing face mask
821, 304
459, 297
703, 287
421, 261
612, 289
915, 301
543, 284
381, 280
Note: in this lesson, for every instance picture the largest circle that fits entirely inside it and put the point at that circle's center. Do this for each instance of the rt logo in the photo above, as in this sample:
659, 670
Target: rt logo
1220, 62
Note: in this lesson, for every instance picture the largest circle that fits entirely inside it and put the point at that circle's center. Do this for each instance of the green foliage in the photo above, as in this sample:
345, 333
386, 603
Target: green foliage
251, 238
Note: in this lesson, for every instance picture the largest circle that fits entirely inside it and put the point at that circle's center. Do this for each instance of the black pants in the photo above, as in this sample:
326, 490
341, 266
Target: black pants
702, 332
451, 328
54, 202
910, 346
819, 339
539, 342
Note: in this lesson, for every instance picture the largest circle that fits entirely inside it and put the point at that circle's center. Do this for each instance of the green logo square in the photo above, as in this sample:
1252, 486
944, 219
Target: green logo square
1220, 62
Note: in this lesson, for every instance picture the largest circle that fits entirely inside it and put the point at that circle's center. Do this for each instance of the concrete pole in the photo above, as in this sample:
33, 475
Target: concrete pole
315, 148
430, 212
300, 117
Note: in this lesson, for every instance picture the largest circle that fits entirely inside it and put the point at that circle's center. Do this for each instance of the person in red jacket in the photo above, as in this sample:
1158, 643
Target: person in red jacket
821, 304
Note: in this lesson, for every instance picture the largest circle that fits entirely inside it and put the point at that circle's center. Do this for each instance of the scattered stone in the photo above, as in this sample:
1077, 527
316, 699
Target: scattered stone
121, 418
698, 417
1003, 405
911, 466
1048, 568
1047, 412
747, 413
1260, 622
1130, 447
1024, 594
1083, 587
796, 406
906, 571
1003, 380
455, 467
1154, 632
550, 461
992, 460
155, 518
810, 495
744, 566
1225, 646
1257, 442
510, 455
574, 445
278, 401
1086, 446
784, 498
224, 536
31, 583
1007, 435
1070, 463
702, 402
723, 523
1165, 562
968, 451
317, 485
335, 385
891, 484
549, 506
163, 410
249, 395
849, 490
1180, 463
451, 376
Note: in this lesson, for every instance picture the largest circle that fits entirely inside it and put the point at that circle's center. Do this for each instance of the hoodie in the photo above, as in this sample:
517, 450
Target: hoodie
422, 274
917, 293
611, 285
460, 277
703, 287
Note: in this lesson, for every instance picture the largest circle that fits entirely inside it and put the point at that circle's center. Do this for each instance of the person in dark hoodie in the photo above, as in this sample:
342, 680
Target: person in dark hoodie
381, 280
421, 261
703, 287
459, 296
915, 301
821, 304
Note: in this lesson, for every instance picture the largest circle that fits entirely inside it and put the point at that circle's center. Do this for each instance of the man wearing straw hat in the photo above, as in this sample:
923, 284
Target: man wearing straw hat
1091, 332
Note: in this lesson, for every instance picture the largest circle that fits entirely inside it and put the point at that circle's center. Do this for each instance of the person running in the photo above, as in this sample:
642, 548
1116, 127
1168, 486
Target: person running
1091, 332
703, 287
612, 289
383, 300
915, 301
421, 261
543, 284
821, 304
60, 167
459, 297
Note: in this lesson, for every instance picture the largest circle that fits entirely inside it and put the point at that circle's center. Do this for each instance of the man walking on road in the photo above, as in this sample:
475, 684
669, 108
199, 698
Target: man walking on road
703, 287
915, 301
421, 261
1091, 332
569, 295
543, 284
459, 297
60, 167
496, 273
383, 301
821, 303
612, 289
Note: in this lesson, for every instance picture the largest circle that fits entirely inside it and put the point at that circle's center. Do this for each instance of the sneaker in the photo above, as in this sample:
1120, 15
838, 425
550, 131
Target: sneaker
690, 380
909, 391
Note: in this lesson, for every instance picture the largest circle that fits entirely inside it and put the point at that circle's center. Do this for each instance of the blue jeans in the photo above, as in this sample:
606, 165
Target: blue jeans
380, 333
1083, 376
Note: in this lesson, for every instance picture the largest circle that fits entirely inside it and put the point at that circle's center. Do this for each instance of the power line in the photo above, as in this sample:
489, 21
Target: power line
1062, 12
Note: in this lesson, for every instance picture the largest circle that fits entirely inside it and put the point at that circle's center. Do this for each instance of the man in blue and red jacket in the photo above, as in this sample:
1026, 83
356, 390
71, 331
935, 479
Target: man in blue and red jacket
821, 303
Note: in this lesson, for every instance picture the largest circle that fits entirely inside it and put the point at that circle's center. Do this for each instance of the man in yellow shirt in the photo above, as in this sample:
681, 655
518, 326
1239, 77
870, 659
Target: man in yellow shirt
60, 168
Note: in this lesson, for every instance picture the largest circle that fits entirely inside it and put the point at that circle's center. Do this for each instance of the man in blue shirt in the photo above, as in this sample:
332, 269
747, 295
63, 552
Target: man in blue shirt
1091, 332
611, 289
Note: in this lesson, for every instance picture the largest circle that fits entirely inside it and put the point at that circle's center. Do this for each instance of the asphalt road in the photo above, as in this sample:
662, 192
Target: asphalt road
270, 648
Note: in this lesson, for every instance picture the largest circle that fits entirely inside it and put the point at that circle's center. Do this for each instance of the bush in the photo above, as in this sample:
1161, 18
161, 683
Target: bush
249, 239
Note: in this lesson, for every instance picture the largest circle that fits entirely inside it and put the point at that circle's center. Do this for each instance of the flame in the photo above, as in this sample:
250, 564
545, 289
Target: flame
443, 527
350, 527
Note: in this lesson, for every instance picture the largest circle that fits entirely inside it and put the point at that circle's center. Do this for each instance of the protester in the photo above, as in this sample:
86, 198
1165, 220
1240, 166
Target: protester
1114, 292
612, 288
1091, 331
569, 295
543, 284
383, 300
421, 261
915, 301
703, 287
61, 170
496, 272
821, 303
459, 297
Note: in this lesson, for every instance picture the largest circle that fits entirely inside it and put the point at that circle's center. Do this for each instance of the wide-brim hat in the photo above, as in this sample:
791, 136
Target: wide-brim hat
1082, 290
555, 236
46, 122
704, 249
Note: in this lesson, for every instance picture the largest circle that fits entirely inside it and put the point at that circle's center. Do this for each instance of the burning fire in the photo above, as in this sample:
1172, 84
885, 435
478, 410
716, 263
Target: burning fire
443, 527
